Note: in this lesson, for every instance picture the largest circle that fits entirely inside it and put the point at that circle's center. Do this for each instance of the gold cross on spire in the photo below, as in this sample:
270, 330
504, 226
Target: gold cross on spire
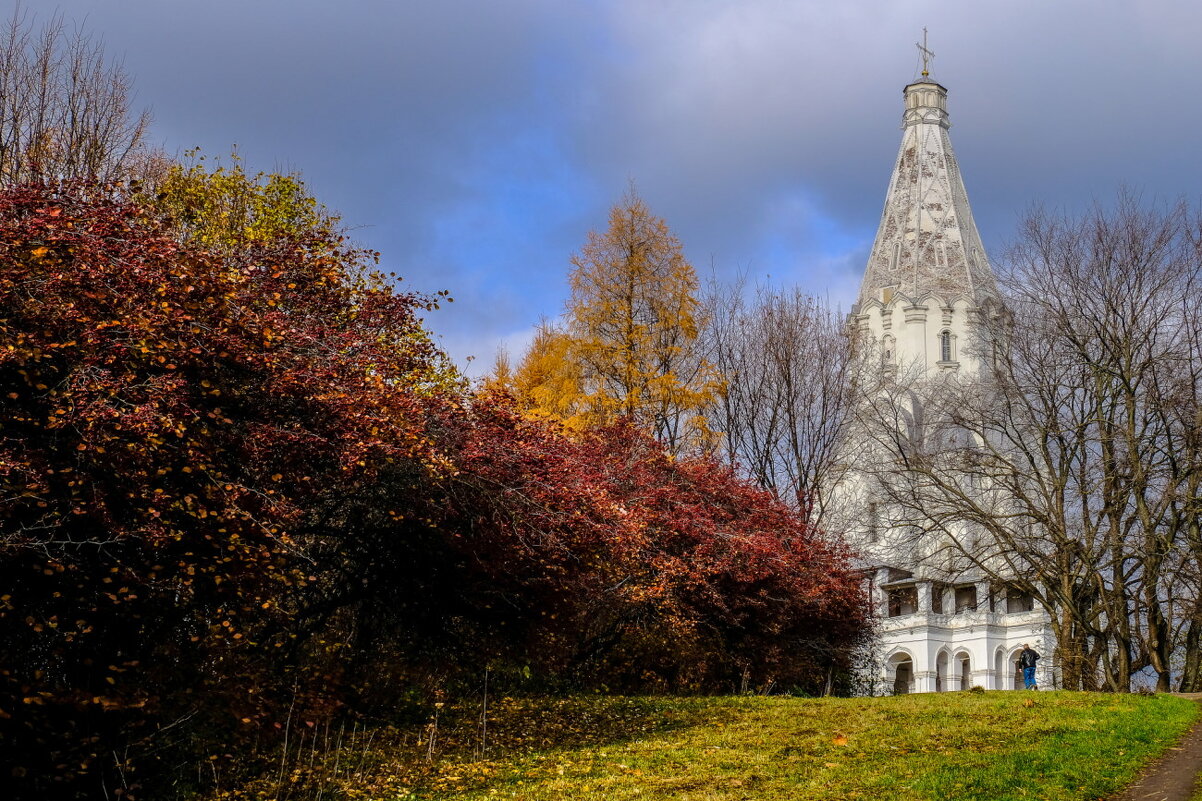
927, 55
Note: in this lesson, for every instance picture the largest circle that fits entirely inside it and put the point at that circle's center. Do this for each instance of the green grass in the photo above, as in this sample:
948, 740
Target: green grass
961, 746
1066, 746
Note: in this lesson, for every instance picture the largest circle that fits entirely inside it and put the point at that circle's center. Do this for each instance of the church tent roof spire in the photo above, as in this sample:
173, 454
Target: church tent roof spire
927, 241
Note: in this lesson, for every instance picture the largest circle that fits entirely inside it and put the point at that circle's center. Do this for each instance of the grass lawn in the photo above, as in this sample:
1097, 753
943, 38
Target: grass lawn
993, 746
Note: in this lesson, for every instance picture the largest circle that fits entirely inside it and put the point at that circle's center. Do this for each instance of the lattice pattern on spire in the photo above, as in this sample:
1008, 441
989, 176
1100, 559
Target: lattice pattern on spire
927, 242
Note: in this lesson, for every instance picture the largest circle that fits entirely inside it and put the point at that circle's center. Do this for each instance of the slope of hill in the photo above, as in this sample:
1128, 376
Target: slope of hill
995, 746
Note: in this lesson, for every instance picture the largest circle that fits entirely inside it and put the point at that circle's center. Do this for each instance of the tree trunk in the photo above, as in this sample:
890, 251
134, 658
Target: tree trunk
1070, 651
1159, 645
1191, 672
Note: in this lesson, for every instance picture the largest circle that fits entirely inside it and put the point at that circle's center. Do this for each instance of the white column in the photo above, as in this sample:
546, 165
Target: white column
982, 596
924, 597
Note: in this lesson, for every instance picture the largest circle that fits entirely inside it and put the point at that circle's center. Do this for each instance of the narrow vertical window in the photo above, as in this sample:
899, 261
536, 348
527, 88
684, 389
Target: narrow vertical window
945, 346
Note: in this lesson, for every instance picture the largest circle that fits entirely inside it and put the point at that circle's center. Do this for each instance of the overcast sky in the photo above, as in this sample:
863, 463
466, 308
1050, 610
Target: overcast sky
476, 142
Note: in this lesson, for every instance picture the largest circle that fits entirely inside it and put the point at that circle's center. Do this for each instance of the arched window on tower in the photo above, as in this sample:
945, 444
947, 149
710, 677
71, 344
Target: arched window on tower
887, 349
945, 346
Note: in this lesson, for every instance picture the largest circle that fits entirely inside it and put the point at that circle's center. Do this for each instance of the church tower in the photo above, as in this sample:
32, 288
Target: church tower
927, 274
925, 287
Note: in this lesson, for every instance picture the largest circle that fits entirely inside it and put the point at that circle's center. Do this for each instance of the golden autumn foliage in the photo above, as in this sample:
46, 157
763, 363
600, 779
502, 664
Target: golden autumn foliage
628, 346
224, 207
244, 492
547, 382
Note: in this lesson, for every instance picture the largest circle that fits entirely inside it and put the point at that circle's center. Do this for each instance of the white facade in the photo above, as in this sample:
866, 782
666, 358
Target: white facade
925, 285
960, 646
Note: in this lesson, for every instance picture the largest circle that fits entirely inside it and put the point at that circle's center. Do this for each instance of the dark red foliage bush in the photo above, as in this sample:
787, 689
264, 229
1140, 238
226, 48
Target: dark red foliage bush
240, 486
168, 419
645, 571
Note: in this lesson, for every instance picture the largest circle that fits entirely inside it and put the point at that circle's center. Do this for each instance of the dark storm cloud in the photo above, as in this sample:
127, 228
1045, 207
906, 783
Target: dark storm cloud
476, 142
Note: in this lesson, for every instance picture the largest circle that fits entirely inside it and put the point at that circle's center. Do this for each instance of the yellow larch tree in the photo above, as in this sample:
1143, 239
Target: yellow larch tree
628, 343
633, 321
546, 382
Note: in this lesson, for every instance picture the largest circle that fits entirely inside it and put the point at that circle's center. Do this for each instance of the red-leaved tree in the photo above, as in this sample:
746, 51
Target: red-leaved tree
169, 420
611, 563
592, 560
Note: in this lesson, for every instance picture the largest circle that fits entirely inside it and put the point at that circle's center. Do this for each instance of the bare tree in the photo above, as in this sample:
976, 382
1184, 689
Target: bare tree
64, 108
786, 363
1070, 468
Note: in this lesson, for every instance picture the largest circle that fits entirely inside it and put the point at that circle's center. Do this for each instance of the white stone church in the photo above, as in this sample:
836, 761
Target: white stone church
926, 282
